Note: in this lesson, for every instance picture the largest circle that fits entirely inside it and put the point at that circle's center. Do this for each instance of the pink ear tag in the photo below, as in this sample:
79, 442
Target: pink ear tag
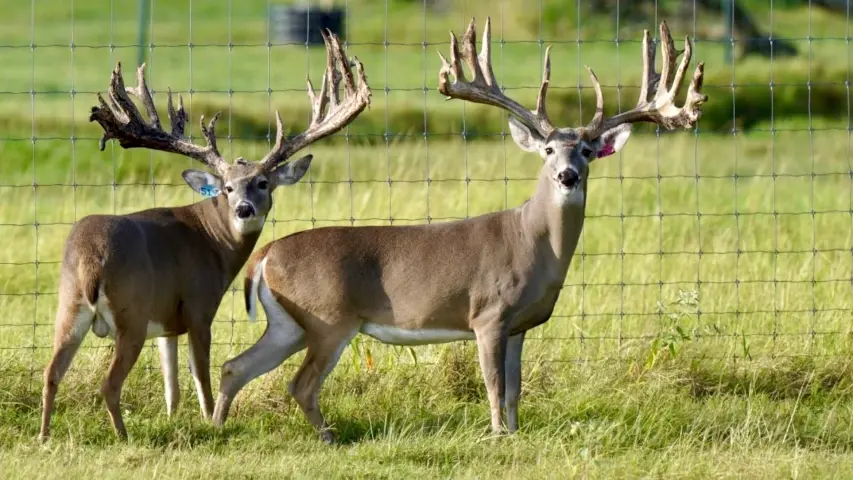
606, 150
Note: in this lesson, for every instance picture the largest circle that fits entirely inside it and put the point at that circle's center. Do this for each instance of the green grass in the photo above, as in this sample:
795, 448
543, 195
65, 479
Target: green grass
604, 393
733, 362
597, 419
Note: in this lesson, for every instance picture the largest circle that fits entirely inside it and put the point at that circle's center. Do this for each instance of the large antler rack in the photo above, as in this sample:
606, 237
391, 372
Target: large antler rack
122, 121
659, 108
483, 87
328, 112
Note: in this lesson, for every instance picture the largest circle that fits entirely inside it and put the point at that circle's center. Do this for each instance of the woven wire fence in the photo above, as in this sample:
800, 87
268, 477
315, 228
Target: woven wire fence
736, 237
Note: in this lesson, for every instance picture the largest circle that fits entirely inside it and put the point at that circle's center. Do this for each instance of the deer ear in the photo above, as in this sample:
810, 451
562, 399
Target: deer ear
291, 172
612, 140
204, 183
528, 140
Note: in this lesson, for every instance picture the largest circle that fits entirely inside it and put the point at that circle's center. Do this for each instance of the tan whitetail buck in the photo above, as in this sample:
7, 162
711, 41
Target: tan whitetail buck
489, 278
162, 272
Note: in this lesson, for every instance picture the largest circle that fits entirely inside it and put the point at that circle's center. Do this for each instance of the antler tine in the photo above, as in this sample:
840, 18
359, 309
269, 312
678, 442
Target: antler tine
328, 112
648, 67
341, 56
485, 56
593, 129
483, 88
454, 67
318, 102
469, 54
178, 118
118, 95
104, 107
661, 109
209, 132
541, 110
695, 97
332, 72
121, 120
279, 128
142, 93
670, 55
682, 67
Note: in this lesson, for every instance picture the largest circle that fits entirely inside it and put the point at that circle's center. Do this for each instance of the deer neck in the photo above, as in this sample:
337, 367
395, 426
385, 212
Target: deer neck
554, 221
232, 247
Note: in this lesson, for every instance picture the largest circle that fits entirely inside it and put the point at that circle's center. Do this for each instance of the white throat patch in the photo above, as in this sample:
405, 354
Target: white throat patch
567, 196
252, 225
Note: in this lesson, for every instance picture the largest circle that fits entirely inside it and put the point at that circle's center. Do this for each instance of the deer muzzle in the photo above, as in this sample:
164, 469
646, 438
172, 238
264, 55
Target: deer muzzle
569, 178
244, 210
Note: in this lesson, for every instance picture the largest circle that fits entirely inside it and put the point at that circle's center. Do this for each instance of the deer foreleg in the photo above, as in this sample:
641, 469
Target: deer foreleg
282, 339
492, 347
513, 380
199, 349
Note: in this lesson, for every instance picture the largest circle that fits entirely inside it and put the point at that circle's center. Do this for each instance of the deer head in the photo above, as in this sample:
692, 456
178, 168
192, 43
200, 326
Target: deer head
246, 186
567, 152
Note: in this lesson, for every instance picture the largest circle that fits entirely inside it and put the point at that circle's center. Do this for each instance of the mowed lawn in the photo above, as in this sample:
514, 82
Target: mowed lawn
704, 329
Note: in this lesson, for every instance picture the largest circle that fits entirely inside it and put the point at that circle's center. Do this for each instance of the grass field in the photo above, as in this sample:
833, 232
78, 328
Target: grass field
704, 328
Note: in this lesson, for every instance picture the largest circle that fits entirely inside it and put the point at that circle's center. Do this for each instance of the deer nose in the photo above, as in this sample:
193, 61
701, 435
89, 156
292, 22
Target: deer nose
244, 211
568, 178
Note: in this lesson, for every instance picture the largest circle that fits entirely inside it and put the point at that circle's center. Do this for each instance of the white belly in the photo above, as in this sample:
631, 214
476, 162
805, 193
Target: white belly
405, 336
155, 330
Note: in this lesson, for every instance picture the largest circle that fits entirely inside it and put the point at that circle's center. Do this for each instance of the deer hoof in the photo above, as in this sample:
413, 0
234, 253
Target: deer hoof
327, 437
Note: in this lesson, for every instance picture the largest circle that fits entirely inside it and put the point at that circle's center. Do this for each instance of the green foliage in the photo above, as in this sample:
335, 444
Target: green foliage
673, 332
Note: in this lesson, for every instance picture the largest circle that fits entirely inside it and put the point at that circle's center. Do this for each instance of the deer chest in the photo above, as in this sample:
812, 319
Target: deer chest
535, 311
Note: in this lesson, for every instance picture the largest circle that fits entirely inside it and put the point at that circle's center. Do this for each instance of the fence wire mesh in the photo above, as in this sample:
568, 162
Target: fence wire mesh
734, 240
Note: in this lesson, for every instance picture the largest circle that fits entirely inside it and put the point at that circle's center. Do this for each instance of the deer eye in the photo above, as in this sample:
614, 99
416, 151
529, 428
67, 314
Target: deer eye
549, 150
263, 184
229, 189
586, 152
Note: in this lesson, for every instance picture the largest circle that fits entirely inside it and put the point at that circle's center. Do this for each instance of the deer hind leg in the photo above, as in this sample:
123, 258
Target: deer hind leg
199, 346
128, 346
168, 348
282, 339
513, 380
72, 323
321, 357
492, 347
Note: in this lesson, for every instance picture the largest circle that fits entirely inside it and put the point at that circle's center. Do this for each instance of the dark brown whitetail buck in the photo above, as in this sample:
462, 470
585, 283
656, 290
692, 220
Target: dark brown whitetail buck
162, 272
490, 278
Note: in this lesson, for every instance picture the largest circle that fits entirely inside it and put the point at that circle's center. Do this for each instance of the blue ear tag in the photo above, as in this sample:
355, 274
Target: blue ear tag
208, 191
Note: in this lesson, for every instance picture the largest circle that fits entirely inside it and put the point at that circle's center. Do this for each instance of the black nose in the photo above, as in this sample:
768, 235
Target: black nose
244, 211
568, 178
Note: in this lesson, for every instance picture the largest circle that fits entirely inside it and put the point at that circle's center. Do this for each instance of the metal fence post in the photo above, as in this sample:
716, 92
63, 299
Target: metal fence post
142, 39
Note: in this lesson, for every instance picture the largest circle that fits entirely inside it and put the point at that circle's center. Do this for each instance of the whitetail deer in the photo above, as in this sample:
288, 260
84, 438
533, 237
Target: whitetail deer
162, 272
489, 278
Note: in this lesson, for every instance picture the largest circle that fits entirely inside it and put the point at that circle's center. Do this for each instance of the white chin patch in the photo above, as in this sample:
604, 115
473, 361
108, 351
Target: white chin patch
570, 196
251, 225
